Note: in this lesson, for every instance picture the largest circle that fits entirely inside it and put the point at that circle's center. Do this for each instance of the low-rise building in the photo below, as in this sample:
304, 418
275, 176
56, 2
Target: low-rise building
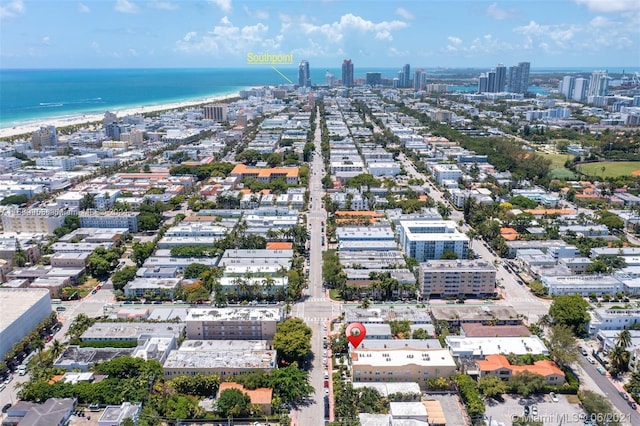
139, 287
225, 358
478, 347
407, 364
444, 278
456, 315
109, 219
612, 319
114, 415
499, 366
131, 331
242, 323
583, 285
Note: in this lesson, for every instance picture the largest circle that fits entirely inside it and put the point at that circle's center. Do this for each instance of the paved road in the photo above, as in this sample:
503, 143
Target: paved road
315, 308
629, 417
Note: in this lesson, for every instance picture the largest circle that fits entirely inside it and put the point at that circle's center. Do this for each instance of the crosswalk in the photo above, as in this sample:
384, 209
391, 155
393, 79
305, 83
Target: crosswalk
316, 299
316, 319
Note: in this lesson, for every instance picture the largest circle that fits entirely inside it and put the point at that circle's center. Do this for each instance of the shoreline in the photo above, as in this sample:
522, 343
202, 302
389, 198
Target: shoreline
76, 119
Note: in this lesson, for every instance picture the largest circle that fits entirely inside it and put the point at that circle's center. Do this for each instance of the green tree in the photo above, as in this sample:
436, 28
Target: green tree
570, 310
526, 383
491, 386
16, 199
562, 345
290, 384
619, 357
123, 276
141, 251
421, 333
600, 407
292, 340
624, 339
233, 403
195, 270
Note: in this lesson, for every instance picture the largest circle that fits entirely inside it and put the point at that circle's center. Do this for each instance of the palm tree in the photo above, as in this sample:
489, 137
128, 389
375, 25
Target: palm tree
56, 348
624, 339
619, 357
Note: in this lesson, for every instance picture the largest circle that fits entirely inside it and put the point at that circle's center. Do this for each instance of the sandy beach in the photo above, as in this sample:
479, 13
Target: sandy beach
32, 126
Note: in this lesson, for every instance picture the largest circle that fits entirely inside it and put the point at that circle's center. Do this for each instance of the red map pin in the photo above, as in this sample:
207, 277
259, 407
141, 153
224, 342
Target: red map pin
355, 333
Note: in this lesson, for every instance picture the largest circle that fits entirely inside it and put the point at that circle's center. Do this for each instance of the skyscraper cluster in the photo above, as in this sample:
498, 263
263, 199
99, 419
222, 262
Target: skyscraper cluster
404, 76
304, 76
519, 78
347, 73
373, 79
419, 79
579, 88
495, 80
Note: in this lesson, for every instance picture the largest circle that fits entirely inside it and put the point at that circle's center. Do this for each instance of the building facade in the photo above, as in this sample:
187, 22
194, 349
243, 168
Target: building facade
233, 323
452, 278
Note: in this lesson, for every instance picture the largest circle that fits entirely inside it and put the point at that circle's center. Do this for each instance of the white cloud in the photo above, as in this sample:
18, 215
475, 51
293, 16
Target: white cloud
224, 5
611, 5
133, 52
496, 12
335, 31
487, 44
162, 5
12, 9
96, 47
229, 39
257, 14
599, 34
404, 13
125, 6
83, 8
384, 35
454, 40
46, 40
189, 36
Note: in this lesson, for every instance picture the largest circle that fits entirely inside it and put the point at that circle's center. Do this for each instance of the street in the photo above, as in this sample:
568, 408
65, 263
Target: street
315, 308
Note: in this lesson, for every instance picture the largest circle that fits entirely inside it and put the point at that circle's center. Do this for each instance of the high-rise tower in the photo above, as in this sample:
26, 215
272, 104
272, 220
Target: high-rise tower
419, 79
519, 78
304, 76
347, 73
598, 84
407, 75
501, 78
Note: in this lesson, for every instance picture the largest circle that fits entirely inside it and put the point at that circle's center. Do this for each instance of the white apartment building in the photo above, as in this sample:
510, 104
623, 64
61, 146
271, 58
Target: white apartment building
443, 278
612, 319
583, 285
62, 162
34, 221
401, 365
430, 239
444, 172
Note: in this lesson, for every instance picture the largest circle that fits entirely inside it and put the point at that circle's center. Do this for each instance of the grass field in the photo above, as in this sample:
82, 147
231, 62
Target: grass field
557, 169
611, 168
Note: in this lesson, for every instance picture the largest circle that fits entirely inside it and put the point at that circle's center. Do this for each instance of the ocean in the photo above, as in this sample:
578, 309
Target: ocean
38, 95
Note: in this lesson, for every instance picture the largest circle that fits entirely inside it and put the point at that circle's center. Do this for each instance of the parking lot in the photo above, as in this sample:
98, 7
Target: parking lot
549, 413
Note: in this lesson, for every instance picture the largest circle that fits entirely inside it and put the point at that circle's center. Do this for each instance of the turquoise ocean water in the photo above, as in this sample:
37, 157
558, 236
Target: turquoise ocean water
38, 95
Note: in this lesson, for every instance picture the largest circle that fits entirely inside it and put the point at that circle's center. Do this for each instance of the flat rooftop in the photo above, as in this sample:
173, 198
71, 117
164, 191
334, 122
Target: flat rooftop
480, 346
473, 313
399, 357
235, 314
131, 330
228, 358
400, 343
381, 314
386, 389
14, 302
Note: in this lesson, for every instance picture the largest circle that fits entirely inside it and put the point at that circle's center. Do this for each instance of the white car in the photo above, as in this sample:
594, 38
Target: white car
591, 360
553, 397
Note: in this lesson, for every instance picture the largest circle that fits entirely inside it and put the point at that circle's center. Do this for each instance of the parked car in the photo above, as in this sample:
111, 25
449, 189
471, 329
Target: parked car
584, 351
601, 370
624, 395
553, 397
6, 407
534, 410
591, 360
633, 405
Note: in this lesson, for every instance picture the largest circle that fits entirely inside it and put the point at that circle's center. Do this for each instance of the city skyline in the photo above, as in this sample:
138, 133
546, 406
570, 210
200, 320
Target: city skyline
220, 33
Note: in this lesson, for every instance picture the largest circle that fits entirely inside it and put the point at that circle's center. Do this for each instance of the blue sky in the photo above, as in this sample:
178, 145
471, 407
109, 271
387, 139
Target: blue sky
374, 33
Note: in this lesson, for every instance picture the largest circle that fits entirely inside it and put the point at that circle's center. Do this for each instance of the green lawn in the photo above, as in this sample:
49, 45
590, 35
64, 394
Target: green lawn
557, 169
611, 168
